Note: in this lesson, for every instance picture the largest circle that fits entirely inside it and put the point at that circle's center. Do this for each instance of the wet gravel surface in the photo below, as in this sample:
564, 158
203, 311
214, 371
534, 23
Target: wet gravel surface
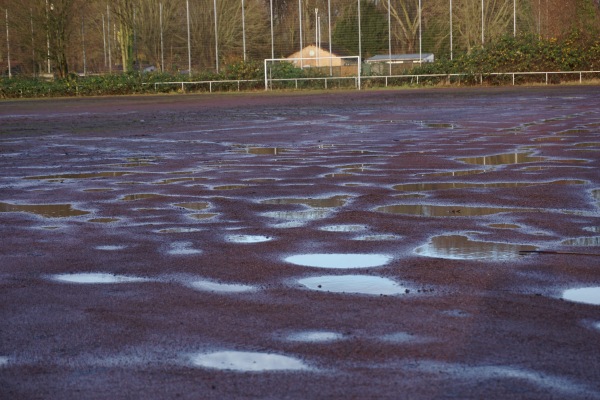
151, 246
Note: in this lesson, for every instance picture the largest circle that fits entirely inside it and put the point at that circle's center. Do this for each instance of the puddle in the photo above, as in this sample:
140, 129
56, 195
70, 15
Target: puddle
583, 242
110, 247
93, 278
343, 228
457, 247
202, 216
504, 226
44, 210
103, 220
98, 190
438, 125
420, 187
595, 229
447, 211
315, 336
229, 187
503, 159
183, 249
381, 237
588, 295
456, 173
79, 176
179, 230
269, 151
248, 238
409, 196
210, 286
591, 144
341, 175
244, 361
331, 202
298, 215
548, 139
196, 206
140, 196
359, 284
177, 180
403, 338
339, 261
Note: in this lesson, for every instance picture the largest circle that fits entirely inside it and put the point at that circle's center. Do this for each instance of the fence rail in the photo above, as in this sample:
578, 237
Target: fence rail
358, 82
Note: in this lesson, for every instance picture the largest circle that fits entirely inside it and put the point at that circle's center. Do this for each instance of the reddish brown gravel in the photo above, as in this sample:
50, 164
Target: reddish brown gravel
492, 324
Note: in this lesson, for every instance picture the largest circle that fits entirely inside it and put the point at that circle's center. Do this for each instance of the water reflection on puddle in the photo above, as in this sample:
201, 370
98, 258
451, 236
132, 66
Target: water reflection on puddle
229, 187
588, 295
335, 201
446, 211
358, 284
248, 361
196, 206
210, 286
457, 247
420, 187
79, 176
183, 249
455, 173
103, 220
96, 278
110, 247
583, 242
378, 237
315, 336
179, 230
248, 238
503, 159
202, 216
343, 228
269, 151
298, 215
140, 196
339, 261
44, 210
178, 180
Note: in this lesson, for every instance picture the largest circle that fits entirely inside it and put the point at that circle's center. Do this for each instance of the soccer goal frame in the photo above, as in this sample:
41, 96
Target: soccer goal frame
324, 63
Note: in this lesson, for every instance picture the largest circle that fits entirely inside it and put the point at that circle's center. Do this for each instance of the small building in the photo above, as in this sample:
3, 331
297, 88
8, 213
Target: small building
398, 62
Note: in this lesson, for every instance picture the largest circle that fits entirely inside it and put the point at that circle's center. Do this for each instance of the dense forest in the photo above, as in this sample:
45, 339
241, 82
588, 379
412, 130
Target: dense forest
98, 36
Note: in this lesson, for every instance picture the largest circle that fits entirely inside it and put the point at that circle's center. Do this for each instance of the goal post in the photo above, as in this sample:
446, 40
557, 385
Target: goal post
340, 68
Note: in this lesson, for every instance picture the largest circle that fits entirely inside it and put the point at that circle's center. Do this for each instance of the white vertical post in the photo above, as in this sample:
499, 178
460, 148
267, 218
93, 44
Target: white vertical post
316, 28
32, 43
514, 18
83, 46
359, 36
272, 36
389, 38
104, 42
451, 33
8, 47
48, 37
162, 48
243, 31
216, 38
482, 24
420, 35
189, 43
300, 22
329, 36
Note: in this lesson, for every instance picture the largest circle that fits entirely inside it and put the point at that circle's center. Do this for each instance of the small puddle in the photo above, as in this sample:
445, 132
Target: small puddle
548, 139
588, 295
458, 247
331, 202
265, 151
183, 249
210, 286
110, 247
79, 176
447, 211
178, 180
96, 278
421, 187
140, 196
44, 210
229, 187
358, 284
591, 144
504, 226
503, 159
94, 190
339, 261
203, 216
195, 206
298, 215
404, 338
343, 228
583, 242
380, 237
244, 361
248, 238
456, 173
103, 220
179, 230
315, 336
341, 175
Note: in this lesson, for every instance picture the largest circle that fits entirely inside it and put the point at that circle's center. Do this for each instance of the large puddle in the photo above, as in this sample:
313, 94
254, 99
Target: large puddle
339, 261
421, 187
44, 210
503, 159
447, 211
356, 284
458, 247
248, 238
211, 286
96, 278
331, 202
245, 361
588, 295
